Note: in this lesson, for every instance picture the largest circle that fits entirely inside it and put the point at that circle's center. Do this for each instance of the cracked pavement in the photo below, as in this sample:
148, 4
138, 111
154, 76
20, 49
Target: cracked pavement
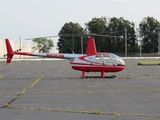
31, 90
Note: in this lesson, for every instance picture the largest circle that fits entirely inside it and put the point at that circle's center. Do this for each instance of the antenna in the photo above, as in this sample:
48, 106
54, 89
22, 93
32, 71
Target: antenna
72, 51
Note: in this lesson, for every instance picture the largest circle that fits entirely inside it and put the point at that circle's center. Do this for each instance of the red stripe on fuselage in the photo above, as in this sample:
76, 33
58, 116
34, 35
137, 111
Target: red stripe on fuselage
55, 55
90, 68
96, 67
24, 53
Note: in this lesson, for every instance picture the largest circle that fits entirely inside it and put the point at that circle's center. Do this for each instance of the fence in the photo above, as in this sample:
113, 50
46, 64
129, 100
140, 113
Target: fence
139, 55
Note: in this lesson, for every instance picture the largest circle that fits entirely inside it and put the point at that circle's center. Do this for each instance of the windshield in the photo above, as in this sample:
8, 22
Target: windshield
114, 56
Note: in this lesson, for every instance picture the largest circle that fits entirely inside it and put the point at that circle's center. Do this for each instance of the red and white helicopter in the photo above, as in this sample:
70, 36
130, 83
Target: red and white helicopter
92, 61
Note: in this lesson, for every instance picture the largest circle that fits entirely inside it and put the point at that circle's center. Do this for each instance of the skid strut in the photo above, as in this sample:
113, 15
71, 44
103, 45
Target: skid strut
83, 74
102, 74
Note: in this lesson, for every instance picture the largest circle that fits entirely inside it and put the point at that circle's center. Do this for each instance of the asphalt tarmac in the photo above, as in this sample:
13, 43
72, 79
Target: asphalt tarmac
52, 90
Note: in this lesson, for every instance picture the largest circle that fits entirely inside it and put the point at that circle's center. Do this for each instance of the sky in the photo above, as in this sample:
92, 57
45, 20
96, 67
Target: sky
38, 18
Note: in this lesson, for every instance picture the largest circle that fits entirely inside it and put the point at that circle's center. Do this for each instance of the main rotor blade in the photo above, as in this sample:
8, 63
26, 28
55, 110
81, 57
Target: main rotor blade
64, 35
107, 36
41, 37
77, 35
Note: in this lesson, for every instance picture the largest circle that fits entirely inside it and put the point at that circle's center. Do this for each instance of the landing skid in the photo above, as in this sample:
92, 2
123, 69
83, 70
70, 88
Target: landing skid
102, 76
107, 77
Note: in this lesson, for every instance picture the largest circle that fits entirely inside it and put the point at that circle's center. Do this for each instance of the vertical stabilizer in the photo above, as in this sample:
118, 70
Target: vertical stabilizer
91, 47
10, 52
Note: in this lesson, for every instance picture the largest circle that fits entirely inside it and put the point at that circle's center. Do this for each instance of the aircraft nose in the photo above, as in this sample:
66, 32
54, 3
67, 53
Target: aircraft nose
122, 62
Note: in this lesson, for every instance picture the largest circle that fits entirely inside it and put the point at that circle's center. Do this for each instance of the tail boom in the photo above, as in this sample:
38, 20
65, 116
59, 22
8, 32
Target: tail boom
11, 53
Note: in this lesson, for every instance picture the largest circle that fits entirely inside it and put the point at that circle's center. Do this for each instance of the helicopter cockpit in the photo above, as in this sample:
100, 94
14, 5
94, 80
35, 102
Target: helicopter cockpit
110, 59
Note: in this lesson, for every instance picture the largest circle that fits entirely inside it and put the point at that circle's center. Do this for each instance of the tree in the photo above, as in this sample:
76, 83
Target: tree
149, 34
113, 27
98, 26
128, 27
43, 45
70, 38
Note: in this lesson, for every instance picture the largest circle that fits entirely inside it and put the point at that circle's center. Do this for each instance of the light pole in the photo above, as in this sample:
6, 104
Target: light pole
125, 25
73, 43
125, 41
140, 47
20, 45
81, 44
139, 39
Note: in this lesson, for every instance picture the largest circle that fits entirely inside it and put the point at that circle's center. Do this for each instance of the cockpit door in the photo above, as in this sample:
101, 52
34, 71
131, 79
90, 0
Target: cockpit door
109, 60
100, 59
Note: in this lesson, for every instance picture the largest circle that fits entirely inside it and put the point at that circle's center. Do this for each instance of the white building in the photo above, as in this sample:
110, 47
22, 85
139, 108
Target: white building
1, 48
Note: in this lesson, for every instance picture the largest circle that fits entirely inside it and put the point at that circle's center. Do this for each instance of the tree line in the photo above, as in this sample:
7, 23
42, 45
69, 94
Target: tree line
147, 34
71, 35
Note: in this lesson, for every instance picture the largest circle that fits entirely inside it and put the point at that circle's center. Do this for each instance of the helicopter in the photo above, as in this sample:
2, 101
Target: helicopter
92, 61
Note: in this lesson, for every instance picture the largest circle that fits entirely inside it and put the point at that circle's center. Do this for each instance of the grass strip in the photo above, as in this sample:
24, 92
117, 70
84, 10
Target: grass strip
95, 112
22, 92
1, 76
